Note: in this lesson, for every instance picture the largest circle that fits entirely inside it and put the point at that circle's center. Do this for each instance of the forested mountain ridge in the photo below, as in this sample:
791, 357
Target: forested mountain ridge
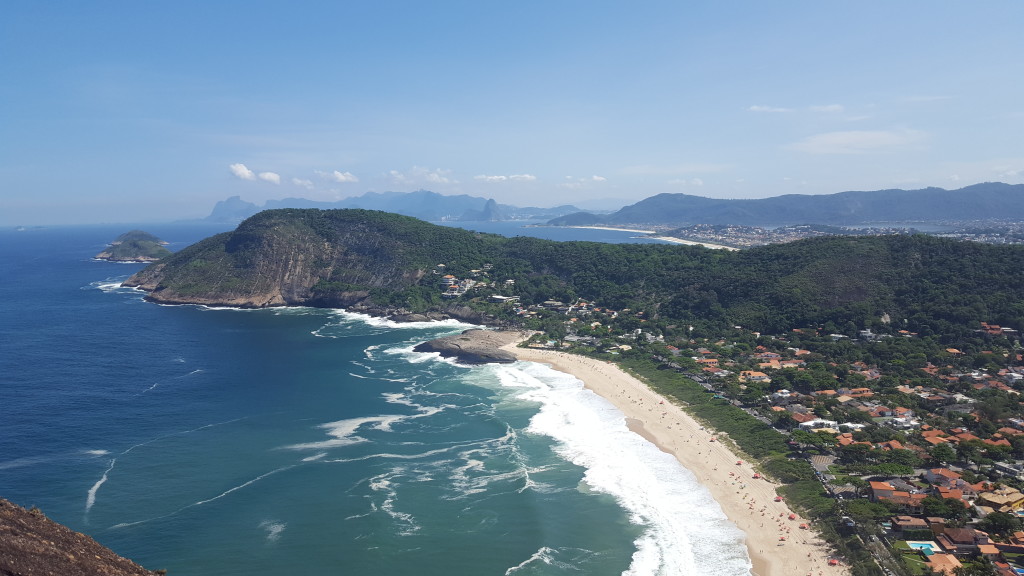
990, 200
422, 204
386, 263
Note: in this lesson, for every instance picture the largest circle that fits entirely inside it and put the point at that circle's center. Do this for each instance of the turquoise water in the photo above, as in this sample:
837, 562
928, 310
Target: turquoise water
303, 441
928, 548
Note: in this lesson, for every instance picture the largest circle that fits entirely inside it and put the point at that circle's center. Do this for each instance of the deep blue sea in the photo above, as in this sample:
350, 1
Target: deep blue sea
302, 441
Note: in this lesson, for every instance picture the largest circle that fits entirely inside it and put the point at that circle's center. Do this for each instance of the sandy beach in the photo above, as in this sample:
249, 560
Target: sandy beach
776, 544
675, 240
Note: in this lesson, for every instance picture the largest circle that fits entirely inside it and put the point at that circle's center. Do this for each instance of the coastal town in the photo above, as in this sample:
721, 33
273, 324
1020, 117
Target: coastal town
917, 449
737, 236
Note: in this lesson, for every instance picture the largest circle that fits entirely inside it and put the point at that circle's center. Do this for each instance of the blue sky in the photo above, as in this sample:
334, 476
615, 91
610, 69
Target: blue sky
131, 111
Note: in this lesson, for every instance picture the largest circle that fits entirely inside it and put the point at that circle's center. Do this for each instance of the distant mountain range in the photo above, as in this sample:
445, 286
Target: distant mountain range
987, 201
421, 204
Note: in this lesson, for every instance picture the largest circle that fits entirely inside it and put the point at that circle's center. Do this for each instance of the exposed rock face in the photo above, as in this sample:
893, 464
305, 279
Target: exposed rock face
327, 259
474, 346
33, 545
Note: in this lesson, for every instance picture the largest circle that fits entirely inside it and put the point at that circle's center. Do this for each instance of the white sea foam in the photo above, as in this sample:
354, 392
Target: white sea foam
343, 432
273, 528
206, 307
386, 323
544, 555
90, 498
113, 286
685, 531
565, 559
96, 452
208, 500
395, 456
382, 483
24, 461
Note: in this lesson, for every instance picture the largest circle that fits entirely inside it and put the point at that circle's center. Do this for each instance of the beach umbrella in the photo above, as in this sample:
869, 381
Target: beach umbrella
792, 516
738, 462
778, 498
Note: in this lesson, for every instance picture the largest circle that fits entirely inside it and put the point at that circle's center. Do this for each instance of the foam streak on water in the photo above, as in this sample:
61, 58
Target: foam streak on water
686, 532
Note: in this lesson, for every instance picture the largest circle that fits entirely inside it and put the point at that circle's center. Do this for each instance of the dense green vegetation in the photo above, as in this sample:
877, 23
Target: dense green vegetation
658, 309
928, 285
133, 246
978, 202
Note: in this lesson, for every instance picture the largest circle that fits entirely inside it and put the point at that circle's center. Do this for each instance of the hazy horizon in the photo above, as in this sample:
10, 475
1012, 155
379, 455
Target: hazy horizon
129, 112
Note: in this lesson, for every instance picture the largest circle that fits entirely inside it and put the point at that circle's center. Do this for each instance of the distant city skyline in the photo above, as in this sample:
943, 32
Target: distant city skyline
135, 112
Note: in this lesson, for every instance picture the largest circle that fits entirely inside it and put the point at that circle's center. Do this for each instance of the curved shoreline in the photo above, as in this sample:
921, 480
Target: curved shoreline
748, 503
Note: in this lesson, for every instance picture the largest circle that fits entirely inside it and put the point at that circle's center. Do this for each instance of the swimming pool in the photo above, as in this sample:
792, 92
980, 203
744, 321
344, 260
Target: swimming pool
928, 548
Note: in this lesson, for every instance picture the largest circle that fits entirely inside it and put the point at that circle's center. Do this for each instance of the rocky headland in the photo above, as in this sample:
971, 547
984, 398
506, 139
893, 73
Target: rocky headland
363, 261
475, 346
33, 545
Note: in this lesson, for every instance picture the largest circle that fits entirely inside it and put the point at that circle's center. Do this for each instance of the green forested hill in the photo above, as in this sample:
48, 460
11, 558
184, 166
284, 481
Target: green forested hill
135, 246
988, 200
346, 257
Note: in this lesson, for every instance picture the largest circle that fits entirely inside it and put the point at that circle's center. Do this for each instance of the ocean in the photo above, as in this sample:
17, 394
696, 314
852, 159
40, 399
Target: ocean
307, 441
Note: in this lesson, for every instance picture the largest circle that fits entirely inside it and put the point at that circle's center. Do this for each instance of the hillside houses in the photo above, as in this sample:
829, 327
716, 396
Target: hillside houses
935, 437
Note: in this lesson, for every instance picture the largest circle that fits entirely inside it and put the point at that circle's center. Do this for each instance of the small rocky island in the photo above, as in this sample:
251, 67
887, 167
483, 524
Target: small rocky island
33, 545
474, 346
135, 246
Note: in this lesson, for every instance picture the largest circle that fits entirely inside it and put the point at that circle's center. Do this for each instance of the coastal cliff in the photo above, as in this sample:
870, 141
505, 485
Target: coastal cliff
353, 259
33, 545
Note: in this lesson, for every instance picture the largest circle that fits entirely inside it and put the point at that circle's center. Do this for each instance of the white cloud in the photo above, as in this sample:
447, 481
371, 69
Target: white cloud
242, 171
828, 108
758, 108
574, 183
307, 184
439, 177
861, 142
338, 176
399, 177
270, 177
419, 175
502, 178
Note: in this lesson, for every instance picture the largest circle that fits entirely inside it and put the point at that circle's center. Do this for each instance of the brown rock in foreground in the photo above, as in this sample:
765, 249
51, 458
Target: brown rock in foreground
33, 545
474, 346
